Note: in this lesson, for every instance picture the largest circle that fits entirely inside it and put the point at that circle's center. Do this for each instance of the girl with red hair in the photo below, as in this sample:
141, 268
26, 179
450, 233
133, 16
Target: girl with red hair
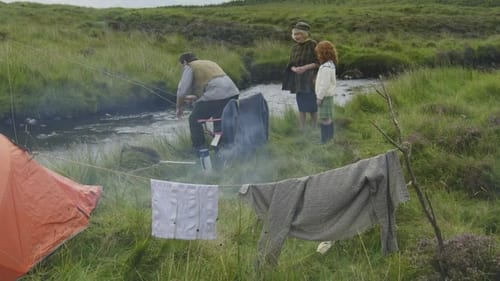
325, 86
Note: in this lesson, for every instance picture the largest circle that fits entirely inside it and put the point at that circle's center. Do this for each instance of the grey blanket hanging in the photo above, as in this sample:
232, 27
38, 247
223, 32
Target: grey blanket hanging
334, 205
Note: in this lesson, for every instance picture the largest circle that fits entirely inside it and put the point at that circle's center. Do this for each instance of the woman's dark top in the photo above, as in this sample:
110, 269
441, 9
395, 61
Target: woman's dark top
302, 54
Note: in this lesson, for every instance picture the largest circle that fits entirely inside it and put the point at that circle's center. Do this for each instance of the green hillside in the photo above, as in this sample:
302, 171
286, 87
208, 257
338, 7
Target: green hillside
437, 59
69, 61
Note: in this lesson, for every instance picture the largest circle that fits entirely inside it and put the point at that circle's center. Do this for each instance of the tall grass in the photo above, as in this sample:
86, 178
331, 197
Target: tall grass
456, 129
118, 243
71, 61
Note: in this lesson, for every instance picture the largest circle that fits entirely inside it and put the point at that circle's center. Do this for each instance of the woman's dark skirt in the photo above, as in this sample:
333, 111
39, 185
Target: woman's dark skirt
306, 101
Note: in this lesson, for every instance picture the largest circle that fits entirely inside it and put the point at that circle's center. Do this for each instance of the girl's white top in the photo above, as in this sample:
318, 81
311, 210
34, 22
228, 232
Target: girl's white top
326, 80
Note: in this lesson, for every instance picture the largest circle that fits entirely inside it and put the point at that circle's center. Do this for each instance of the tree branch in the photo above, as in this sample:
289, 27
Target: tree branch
405, 148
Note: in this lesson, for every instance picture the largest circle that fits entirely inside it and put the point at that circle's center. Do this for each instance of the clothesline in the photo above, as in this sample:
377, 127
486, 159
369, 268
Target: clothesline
126, 173
371, 188
329, 206
134, 175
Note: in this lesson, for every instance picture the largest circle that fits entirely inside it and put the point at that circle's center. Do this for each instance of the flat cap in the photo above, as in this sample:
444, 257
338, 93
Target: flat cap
303, 26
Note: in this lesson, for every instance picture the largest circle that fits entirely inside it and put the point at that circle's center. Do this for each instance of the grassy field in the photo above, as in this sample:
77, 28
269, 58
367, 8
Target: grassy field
450, 117
438, 60
64, 61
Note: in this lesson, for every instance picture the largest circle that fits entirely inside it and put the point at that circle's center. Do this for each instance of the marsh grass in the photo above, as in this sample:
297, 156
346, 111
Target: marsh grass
67, 61
455, 127
70, 61
118, 243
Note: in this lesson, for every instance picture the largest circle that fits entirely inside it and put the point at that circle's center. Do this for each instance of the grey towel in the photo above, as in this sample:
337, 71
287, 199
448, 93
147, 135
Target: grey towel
333, 205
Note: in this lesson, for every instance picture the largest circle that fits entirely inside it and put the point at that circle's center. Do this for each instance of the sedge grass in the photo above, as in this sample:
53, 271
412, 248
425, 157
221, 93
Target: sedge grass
118, 246
73, 61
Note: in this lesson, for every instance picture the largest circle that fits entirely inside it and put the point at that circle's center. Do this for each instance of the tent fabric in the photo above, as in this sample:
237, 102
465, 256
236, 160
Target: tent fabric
39, 210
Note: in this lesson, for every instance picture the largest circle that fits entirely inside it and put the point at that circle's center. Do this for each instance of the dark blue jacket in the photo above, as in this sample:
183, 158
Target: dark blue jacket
245, 124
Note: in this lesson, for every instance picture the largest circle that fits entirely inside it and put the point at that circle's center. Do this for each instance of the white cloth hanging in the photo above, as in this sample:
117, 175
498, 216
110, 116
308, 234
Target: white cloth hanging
184, 211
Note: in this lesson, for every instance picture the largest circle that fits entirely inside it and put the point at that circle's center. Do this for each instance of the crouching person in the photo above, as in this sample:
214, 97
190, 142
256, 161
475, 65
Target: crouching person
207, 85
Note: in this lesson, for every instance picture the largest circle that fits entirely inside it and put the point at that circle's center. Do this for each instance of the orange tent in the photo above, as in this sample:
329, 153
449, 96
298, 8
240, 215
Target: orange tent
39, 210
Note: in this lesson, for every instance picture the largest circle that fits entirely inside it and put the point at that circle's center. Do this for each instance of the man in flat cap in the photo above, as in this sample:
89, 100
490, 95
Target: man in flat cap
205, 82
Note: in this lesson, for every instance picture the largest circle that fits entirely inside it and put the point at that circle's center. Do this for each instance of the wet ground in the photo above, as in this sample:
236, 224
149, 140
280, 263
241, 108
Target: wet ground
112, 131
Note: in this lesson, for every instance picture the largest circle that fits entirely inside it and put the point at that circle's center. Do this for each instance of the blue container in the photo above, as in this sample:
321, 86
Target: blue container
206, 163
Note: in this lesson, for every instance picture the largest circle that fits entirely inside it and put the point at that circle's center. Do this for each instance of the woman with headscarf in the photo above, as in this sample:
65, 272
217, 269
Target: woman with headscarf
300, 73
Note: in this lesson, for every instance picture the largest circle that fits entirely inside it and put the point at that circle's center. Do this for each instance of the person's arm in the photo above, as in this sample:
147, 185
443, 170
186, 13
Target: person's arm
179, 108
304, 68
309, 55
183, 89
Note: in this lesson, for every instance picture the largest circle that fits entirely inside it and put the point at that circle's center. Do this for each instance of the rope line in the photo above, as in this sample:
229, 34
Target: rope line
120, 172
91, 166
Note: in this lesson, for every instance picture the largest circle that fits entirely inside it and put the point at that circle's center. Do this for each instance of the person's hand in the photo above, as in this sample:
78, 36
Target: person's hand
190, 99
298, 69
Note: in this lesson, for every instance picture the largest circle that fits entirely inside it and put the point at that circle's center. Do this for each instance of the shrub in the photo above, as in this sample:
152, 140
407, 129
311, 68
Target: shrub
469, 257
460, 139
466, 257
477, 178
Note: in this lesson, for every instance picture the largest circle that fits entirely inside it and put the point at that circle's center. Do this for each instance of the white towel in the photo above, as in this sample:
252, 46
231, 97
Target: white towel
184, 211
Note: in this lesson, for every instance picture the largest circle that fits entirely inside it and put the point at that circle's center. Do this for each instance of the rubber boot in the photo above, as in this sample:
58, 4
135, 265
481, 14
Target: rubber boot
324, 133
331, 130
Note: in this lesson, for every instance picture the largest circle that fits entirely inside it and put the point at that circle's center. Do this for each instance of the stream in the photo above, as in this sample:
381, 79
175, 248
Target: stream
110, 131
